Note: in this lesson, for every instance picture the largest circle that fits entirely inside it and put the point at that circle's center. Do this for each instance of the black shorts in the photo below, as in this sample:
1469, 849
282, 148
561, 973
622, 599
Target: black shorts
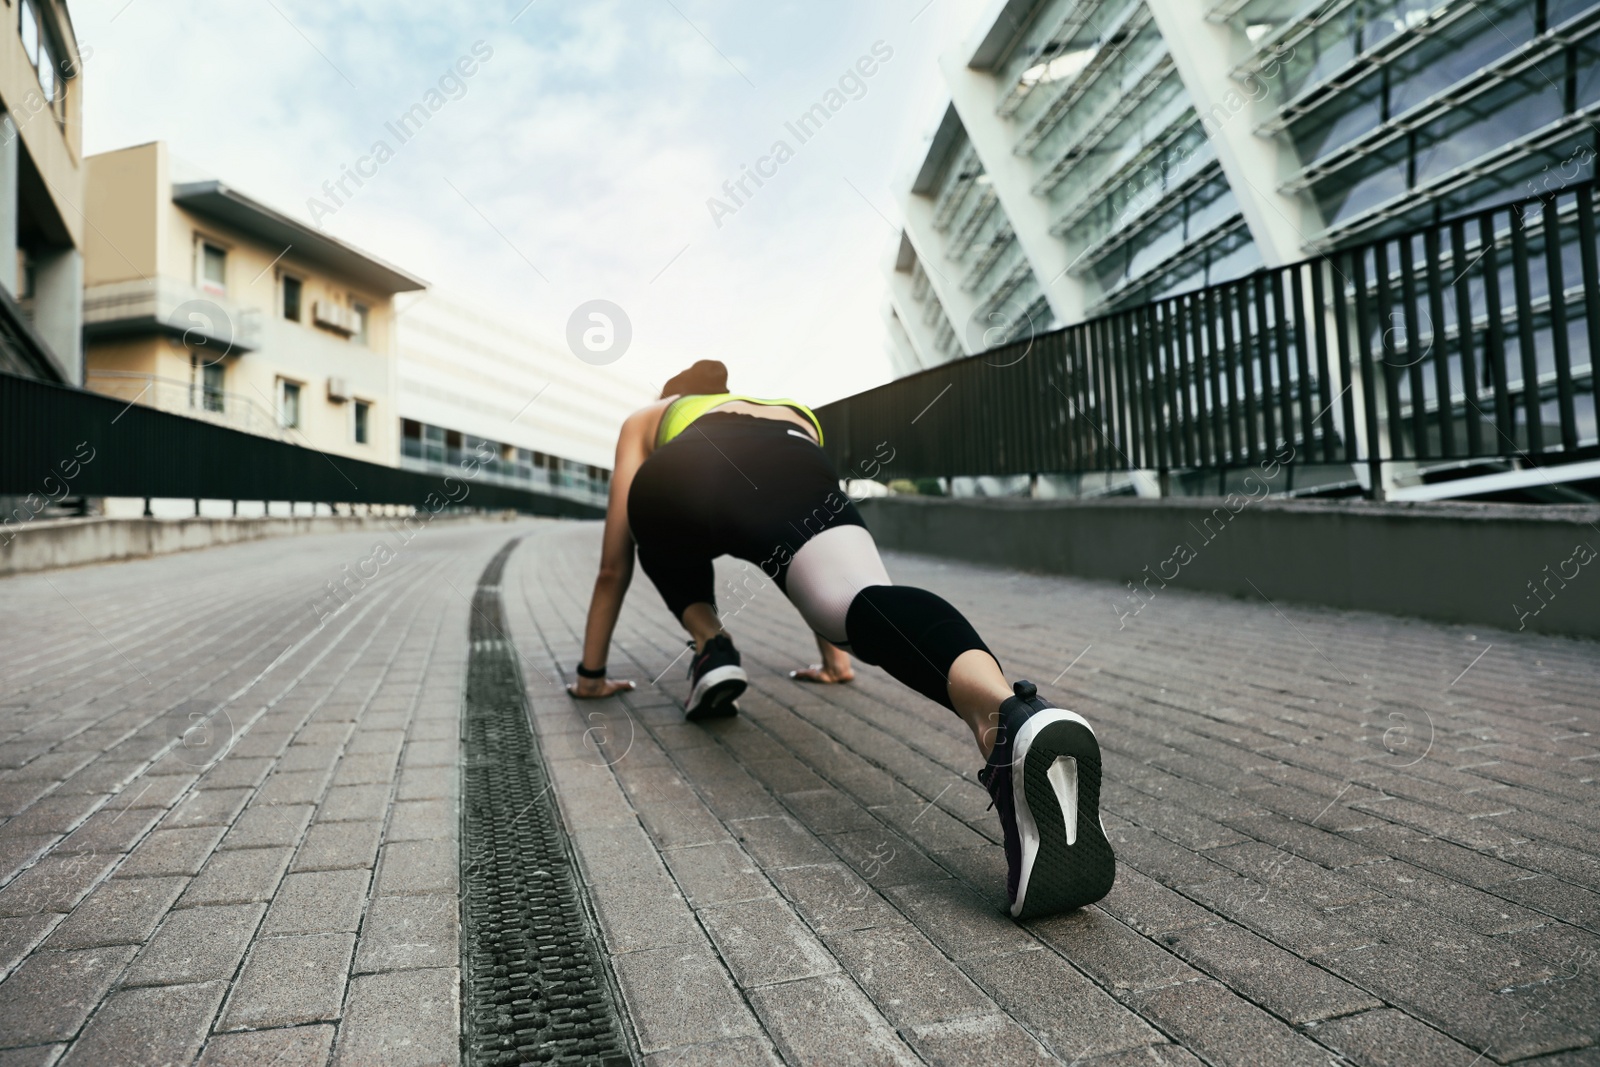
736, 485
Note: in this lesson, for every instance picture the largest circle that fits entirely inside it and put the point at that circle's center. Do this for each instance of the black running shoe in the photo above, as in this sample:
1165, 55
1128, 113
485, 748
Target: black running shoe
1044, 776
717, 679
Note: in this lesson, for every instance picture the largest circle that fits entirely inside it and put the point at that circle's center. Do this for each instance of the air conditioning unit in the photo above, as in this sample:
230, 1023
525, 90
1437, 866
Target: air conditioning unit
332, 316
338, 389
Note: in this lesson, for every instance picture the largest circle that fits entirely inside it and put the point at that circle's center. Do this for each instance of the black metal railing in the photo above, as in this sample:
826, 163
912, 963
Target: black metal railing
1471, 339
58, 442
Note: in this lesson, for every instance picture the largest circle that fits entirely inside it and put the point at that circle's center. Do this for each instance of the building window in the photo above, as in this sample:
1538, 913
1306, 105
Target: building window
358, 312
291, 298
212, 267
206, 384
288, 404
360, 411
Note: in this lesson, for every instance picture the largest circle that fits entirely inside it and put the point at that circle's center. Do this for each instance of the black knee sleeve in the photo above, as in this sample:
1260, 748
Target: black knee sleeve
911, 633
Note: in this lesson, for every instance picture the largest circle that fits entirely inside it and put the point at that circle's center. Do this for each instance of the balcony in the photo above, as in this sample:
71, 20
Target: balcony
165, 306
192, 399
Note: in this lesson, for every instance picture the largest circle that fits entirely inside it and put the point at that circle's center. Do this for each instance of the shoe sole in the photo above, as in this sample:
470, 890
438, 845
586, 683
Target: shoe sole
713, 696
1055, 777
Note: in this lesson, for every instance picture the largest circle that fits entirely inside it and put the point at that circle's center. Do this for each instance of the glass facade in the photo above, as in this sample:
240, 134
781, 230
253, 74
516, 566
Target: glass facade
435, 449
1379, 115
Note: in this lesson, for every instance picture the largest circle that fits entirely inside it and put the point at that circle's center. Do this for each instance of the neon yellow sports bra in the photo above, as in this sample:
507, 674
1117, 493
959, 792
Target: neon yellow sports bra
684, 410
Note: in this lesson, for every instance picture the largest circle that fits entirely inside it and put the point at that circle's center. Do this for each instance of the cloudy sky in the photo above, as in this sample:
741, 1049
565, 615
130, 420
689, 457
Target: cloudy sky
576, 162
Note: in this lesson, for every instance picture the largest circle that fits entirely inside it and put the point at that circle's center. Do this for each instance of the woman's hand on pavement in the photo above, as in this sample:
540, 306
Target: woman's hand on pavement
597, 688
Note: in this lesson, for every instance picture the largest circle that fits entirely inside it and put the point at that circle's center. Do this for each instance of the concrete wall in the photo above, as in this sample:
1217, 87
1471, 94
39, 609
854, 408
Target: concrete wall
1503, 565
54, 543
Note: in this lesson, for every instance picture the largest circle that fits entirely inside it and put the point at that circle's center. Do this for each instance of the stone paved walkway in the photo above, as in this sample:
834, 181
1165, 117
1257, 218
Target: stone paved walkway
1344, 838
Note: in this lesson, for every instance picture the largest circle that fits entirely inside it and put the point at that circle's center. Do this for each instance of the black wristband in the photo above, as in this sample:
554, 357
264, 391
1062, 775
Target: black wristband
585, 672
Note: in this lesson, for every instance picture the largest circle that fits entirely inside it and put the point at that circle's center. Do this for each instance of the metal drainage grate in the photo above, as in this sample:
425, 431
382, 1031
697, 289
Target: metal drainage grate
534, 984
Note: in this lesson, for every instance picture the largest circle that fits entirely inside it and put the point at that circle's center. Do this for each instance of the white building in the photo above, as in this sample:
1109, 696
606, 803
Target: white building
468, 376
1092, 155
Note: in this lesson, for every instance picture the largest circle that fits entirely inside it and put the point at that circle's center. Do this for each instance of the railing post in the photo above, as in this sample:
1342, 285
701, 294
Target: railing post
197, 507
147, 512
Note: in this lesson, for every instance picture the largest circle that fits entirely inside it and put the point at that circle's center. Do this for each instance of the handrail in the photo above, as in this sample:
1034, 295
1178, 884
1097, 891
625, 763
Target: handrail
57, 441
1436, 345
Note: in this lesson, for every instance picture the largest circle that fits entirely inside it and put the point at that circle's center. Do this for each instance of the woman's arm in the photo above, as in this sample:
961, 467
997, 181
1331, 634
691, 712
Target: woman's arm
616, 556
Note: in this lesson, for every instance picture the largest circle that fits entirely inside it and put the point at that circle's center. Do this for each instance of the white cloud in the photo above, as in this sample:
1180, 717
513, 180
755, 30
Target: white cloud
591, 140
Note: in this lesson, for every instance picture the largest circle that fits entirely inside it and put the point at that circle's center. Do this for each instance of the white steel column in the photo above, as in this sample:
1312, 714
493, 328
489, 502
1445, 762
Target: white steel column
974, 94
904, 354
959, 306
1204, 53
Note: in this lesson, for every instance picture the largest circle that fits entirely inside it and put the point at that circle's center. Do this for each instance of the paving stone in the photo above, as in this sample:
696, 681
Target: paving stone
832, 898
423, 820
367, 767
196, 945
338, 845
1276, 915
51, 815
778, 841
1152, 908
762, 941
37, 1056
1475, 1018
110, 830
120, 911
318, 902
958, 920
315, 758
207, 807
425, 783
20, 851
680, 996
884, 858
716, 874
1388, 1038
308, 1045
50, 995
165, 852
238, 876
155, 790
909, 980
237, 771
19, 935
826, 811
1279, 981
266, 826
418, 867
735, 1052
1032, 986
856, 1033
355, 803
402, 1019
288, 981
1219, 1026
409, 933
992, 1038
1117, 958
291, 787
149, 1027
54, 884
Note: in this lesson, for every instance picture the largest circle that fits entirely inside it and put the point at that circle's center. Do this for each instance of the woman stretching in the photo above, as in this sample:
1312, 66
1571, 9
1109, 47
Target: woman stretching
703, 473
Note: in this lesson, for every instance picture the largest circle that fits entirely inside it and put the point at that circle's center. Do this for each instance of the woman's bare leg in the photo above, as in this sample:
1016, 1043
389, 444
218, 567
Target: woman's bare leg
834, 668
977, 689
702, 623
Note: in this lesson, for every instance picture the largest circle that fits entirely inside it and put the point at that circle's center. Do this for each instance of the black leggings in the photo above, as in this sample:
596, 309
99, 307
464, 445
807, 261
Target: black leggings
760, 490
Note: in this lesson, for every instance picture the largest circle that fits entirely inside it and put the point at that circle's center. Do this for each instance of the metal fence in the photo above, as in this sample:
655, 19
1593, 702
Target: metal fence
58, 442
1471, 339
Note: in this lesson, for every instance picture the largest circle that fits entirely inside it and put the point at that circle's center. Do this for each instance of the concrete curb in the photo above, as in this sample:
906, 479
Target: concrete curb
1505, 565
55, 543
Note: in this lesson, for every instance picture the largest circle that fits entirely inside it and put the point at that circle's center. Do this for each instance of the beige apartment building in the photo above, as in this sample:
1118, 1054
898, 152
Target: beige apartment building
203, 301
41, 190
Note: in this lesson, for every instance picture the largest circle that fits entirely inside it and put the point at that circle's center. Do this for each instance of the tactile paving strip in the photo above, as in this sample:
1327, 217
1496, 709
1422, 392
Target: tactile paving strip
534, 985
